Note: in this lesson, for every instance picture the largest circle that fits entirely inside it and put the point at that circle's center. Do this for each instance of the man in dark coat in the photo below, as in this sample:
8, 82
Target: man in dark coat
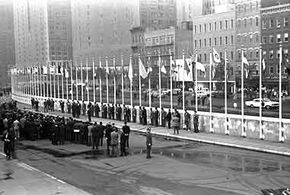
126, 131
163, 117
134, 114
61, 103
95, 136
68, 105
123, 144
195, 122
97, 110
84, 107
168, 118
144, 116
108, 132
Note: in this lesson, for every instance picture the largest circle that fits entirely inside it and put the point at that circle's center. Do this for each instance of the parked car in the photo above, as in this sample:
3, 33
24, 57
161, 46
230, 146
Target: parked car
266, 103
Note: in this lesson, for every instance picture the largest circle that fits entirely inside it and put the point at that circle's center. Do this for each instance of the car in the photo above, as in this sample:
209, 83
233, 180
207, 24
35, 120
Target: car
266, 103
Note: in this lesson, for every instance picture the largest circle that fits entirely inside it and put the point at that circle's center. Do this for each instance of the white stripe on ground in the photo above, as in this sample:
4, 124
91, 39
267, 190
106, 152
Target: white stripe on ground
30, 168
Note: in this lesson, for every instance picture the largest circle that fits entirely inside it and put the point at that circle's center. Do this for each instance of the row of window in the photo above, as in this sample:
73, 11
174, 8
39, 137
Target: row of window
272, 54
271, 23
279, 38
214, 41
203, 28
248, 22
250, 55
204, 58
159, 40
248, 38
248, 7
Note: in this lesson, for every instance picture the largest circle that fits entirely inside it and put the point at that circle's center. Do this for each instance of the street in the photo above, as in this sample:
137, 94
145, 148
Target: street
176, 168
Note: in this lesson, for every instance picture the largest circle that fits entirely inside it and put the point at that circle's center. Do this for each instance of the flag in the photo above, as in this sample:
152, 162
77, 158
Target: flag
142, 70
163, 69
45, 70
186, 68
263, 65
66, 74
246, 68
130, 72
107, 67
216, 56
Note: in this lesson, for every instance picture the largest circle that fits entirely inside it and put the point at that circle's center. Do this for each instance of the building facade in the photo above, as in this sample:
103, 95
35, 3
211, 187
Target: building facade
275, 30
7, 47
248, 36
217, 6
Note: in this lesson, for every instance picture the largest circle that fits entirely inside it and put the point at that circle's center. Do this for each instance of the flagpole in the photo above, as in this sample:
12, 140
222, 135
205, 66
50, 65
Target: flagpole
58, 82
50, 79
260, 95
82, 86
131, 82
183, 86
71, 84
122, 64
107, 79
160, 117
281, 128
226, 97
54, 79
94, 81
67, 76
140, 83
62, 79
77, 88
211, 130
115, 98
149, 83
195, 80
242, 98
87, 80
100, 78
171, 97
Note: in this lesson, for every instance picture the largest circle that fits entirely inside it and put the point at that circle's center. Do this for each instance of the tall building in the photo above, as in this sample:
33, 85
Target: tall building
42, 31
7, 51
248, 36
275, 30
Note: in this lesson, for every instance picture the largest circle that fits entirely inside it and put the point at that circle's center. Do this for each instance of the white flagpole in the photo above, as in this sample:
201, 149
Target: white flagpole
281, 128
54, 79
196, 87
149, 83
107, 79
100, 78
94, 81
82, 86
71, 84
115, 95
183, 87
260, 95
50, 79
171, 97
131, 85
140, 83
122, 64
160, 105
226, 97
77, 88
242, 98
87, 80
211, 129
58, 80
62, 79
66, 72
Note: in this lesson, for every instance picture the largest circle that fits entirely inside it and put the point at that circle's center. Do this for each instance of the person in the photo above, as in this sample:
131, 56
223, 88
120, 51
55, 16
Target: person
90, 132
126, 130
140, 115
187, 120
90, 112
195, 122
108, 131
156, 117
8, 143
68, 105
123, 144
176, 122
61, 131
144, 116
134, 114
148, 142
152, 116
95, 136
61, 103
84, 107
168, 118
97, 110
163, 117
114, 141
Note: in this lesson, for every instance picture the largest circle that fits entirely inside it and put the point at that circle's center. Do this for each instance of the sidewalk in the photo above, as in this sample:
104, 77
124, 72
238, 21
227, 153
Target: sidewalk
19, 178
217, 139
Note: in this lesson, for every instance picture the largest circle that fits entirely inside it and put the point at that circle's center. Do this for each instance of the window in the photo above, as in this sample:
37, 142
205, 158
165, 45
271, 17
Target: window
200, 28
285, 22
271, 23
264, 39
251, 38
204, 42
278, 53
257, 54
278, 23
239, 23
209, 41
264, 23
209, 26
226, 24
214, 41
195, 29
271, 69
221, 54
215, 26
285, 53
200, 43
251, 21
221, 40
205, 57
245, 22
271, 39
285, 37
271, 54
195, 44
257, 21
221, 25
278, 38
240, 55
226, 40
204, 27
232, 55
251, 54
232, 39
257, 38
232, 23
